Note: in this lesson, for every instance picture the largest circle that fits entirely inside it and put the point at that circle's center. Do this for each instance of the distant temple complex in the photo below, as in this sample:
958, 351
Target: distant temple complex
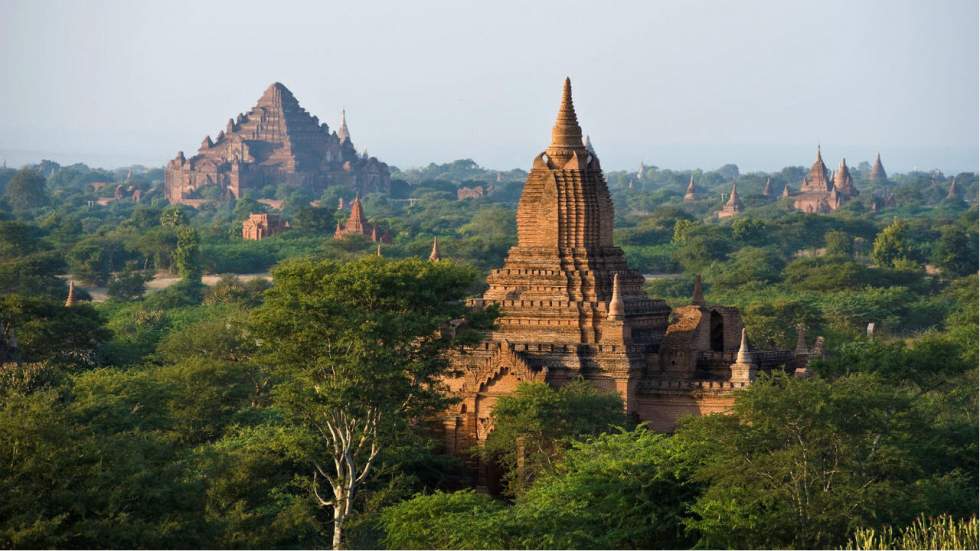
357, 224
572, 308
277, 142
821, 192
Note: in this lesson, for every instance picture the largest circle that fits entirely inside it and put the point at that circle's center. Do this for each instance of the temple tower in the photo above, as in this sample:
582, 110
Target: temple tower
877, 170
818, 178
570, 306
691, 194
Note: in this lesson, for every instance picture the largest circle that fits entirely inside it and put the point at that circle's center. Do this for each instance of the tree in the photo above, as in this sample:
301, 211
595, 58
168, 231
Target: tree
457, 520
624, 490
128, 285
956, 251
93, 259
804, 462
45, 329
361, 349
839, 243
534, 424
26, 190
187, 254
893, 244
621, 490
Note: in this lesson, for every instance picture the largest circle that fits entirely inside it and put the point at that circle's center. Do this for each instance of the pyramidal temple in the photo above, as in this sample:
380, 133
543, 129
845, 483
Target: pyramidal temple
277, 141
571, 307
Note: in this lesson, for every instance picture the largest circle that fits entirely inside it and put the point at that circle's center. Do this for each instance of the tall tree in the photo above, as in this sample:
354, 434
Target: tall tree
361, 348
26, 190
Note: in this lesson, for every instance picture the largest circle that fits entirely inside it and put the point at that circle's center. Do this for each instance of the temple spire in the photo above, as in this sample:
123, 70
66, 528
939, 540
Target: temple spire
744, 356
379, 249
343, 134
697, 297
434, 255
566, 135
786, 191
953, 193
70, 301
733, 199
616, 311
691, 194
767, 189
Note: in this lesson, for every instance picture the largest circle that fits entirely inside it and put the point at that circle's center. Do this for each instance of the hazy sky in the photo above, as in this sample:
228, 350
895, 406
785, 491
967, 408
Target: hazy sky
676, 84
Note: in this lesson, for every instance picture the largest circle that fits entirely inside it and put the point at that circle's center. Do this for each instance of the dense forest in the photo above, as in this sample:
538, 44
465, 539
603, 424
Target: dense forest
205, 415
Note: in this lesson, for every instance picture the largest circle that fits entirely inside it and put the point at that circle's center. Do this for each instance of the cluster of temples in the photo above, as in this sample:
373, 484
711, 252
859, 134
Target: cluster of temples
822, 192
572, 308
276, 142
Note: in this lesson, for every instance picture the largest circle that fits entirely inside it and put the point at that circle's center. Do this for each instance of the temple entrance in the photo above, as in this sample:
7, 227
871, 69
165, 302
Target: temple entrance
717, 332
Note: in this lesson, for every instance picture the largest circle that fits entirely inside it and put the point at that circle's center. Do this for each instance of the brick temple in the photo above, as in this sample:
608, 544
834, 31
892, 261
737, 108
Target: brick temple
276, 142
571, 307
823, 192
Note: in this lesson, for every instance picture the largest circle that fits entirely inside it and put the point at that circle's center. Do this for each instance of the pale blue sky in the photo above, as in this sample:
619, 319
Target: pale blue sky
676, 84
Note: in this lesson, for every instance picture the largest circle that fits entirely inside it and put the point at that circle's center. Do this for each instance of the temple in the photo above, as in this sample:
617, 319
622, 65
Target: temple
357, 224
732, 207
276, 142
691, 194
260, 225
572, 308
877, 170
821, 192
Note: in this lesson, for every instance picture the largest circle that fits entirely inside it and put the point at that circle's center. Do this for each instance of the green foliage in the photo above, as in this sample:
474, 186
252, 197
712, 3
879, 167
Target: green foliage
187, 255
534, 424
128, 285
942, 532
94, 259
624, 490
26, 191
956, 251
628, 489
46, 330
28, 265
804, 462
458, 520
893, 244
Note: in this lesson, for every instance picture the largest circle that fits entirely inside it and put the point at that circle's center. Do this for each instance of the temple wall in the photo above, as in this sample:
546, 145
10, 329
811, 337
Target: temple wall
663, 411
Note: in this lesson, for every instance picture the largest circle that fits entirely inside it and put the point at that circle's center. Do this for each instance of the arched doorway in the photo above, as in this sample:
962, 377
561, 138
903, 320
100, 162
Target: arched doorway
717, 332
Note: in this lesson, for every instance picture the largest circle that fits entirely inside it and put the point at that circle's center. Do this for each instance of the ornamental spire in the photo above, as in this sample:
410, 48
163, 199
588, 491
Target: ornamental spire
697, 297
744, 356
343, 134
566, 135
434, 255
70, 301
616, 311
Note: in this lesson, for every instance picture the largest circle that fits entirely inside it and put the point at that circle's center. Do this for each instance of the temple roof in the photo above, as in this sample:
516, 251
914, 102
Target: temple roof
817, 179
566, 135
343, 133
877, 169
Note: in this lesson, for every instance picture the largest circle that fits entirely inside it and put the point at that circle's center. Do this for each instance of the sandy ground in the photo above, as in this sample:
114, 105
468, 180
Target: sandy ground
162, 280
